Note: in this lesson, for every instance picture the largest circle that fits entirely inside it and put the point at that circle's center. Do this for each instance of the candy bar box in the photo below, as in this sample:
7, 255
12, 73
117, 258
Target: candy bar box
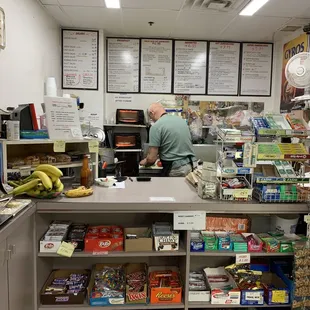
65, 287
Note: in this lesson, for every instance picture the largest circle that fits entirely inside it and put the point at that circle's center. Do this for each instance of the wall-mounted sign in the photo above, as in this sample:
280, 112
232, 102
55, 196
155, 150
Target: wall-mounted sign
190, 67
80, 52
156, 66
256, 69
223, 73
123, 65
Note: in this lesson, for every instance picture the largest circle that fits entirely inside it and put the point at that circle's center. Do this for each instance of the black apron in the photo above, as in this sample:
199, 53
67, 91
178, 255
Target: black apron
167, 166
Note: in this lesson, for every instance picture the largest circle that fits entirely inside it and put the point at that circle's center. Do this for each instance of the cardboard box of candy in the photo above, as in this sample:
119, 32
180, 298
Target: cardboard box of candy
165, 285
56, 233
107, 285
138, 239
76, 236
65, 287
228, 223
198, 287
254, 243
276, 291
223, 288
136, 283
104, 239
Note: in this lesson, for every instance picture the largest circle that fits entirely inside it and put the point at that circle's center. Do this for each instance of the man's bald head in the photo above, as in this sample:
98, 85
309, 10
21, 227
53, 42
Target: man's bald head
156, 110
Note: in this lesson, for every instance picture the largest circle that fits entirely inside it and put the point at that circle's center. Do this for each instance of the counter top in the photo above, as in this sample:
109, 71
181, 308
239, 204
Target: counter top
159, 195
12, 225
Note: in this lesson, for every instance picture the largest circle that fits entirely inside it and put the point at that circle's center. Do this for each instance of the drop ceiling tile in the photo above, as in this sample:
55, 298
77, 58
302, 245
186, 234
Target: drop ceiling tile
136, 22
200, 25
284, 8
254, 28
49, 2
94, 17
86, 3
152, 4
59, 15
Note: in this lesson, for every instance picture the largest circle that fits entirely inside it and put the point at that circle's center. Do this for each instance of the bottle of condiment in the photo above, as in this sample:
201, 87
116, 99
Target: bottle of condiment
85, 173
90, 165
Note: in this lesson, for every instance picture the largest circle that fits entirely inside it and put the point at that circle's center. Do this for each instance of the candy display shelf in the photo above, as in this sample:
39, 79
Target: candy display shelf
180, 252
116, 307
202, 305
232, 254
129, 207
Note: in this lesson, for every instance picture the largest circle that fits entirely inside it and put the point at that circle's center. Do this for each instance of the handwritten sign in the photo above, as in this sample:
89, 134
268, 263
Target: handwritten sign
59, 146
244, 258
66, 249
93, 146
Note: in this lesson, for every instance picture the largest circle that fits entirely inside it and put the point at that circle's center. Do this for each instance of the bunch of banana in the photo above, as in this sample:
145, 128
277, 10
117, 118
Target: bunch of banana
81, 191
43, 181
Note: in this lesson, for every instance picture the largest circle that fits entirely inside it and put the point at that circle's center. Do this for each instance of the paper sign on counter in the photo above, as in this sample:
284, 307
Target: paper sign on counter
93, 146
307, 218
162, 199
189, 220
66, 249
59, 146
244, 258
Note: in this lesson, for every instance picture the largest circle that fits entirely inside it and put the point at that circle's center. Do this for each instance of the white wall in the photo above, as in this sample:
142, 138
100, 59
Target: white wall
31, 55
141, 101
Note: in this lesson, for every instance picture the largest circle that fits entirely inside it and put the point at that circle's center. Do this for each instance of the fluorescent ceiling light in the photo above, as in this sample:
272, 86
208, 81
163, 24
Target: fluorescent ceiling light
252, 7
112, 4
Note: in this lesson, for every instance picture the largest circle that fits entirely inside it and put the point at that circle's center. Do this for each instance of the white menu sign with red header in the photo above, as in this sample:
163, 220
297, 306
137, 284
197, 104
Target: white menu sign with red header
156, 66
256, 69
223, 75
80, 59
190, 67
123, 65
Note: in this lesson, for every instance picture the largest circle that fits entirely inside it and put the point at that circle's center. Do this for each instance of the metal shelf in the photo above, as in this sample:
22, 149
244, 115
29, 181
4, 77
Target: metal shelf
205, 305
42, 141
124, 125
232, 253
85, 306
60, 166
181, 252
127, 150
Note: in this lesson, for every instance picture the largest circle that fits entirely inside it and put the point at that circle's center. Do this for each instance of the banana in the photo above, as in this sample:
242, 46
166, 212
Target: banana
49, 169
25, 187
34, 192
79, 192
13, 184
46, 181
57, 183
60, 188
40, 187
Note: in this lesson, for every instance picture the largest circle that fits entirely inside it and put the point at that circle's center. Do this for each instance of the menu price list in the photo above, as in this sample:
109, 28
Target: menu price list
223, 74
80, 59
190, 67
256, 69
156, 66
123, 65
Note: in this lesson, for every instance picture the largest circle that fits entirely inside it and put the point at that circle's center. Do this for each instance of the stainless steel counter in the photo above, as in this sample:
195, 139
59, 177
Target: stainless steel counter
159, 195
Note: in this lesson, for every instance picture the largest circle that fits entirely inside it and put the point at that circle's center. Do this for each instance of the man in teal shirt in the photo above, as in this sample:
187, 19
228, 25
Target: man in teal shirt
170, 139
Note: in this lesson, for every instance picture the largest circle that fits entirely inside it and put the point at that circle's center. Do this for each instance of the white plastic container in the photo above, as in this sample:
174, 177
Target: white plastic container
51, 87
284, 223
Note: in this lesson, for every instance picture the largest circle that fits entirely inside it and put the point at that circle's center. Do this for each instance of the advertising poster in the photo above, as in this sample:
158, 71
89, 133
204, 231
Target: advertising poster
289, 92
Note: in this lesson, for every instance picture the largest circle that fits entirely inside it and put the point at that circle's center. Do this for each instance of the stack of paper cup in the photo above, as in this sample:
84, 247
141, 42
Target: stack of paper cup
51, 88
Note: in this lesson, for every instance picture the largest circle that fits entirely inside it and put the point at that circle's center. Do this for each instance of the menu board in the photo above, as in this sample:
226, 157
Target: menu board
80, 59
223, 74
256, 69
156, 66
123, 65
190, 67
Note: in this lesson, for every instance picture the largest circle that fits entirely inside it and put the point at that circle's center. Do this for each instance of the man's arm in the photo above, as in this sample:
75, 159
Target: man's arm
151, 157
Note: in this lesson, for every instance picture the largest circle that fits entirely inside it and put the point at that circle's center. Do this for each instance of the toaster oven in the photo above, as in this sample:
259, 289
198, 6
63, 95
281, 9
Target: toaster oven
135, 117
127, 141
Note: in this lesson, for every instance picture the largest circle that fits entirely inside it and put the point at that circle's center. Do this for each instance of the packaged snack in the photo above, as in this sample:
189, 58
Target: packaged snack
136, 283
229, 224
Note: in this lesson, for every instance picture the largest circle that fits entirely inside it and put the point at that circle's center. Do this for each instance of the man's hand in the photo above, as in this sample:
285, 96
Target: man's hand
143, 162
151, 157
